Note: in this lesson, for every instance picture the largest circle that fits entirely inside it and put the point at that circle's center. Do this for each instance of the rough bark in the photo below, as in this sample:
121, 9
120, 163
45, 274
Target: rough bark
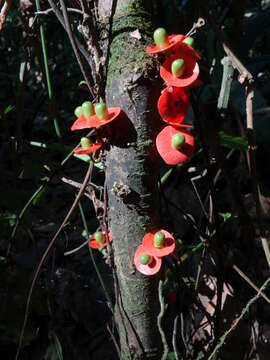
131, 176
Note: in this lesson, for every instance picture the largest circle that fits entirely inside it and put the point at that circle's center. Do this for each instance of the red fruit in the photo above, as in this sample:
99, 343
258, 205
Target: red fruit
95, 245
170, 154
149, 244
189, 76
94, 121
174, 40
149, 269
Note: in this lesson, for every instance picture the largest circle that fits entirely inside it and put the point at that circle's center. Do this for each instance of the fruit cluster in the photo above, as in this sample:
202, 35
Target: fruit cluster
180, 72
92, 116
154, 246
174, 143
98, 240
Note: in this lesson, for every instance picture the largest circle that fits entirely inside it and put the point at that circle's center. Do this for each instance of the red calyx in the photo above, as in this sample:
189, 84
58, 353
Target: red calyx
173, 105
150, 269
169, 154
183, 47
92, 148
174, 40
95, 245
149, 247
191, 73
94, 121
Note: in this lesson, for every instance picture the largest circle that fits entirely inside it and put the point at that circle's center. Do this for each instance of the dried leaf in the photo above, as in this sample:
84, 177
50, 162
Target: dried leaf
136, 34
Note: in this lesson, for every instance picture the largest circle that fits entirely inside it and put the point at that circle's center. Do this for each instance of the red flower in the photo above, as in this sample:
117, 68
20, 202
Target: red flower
173, 105
167, 150
94, 121
174, 40
94, 244
189, 76
151, 267
91, 149
148, 243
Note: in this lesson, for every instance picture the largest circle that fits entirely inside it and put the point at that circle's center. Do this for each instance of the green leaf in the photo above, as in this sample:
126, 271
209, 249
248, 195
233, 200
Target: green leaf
85, 158
225, 216
8, 109
54, 351
233, 142
99, 165
171, 356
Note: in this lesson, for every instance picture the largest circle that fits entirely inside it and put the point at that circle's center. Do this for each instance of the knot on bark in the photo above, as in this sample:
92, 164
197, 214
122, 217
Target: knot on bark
121, 190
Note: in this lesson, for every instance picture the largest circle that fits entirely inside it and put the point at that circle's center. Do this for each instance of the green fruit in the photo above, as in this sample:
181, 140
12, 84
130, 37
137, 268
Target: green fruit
78, 111
159, 240
101, 111
189, 41
98, 236
88, 109
145, 259
85, 142
161, 37
178, 140
178, 67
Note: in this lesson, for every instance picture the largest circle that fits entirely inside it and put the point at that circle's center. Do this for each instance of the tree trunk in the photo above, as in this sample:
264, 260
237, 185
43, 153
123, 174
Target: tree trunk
131, 176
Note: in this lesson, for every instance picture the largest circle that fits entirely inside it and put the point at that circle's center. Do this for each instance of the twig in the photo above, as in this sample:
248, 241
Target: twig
159, 320
200, 22
75, 184
182, 332
174, 340
44, 256
79, 45
114, 341
48, 11
247, 279
236, 322
226, 83
70, 252
74, 45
